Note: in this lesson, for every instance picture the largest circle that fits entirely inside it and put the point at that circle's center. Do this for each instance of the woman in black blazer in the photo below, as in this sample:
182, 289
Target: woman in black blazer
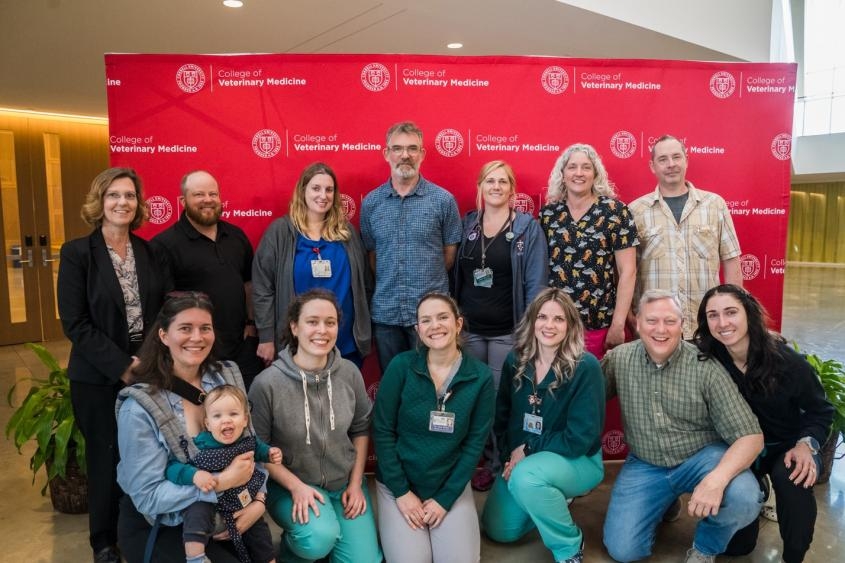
110, 288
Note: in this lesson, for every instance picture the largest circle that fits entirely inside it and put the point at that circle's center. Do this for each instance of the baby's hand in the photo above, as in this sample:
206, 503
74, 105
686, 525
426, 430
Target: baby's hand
204, 481
276, 456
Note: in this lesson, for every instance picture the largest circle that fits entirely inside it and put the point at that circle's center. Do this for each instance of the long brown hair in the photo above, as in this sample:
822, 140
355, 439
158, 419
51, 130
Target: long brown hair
156, 363
569, 351
336, 227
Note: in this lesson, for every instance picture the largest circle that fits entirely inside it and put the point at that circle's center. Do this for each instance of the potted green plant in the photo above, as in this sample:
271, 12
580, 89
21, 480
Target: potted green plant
832, 376
46, 416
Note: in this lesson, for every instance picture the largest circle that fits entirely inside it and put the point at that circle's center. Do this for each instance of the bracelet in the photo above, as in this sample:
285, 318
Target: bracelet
261, 500
250, 322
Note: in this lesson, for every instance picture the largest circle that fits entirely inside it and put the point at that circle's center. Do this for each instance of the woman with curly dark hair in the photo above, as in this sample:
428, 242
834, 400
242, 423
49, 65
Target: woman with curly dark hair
785, 394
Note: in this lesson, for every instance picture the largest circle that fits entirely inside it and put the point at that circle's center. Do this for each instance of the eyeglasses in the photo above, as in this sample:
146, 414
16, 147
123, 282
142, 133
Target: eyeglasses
412, 150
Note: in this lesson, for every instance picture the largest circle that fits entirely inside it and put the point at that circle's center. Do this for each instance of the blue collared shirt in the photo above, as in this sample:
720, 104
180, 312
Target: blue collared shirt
408, 235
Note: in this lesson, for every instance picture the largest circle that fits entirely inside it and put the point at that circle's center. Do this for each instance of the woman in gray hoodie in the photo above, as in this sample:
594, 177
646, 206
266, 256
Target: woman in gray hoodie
313, 405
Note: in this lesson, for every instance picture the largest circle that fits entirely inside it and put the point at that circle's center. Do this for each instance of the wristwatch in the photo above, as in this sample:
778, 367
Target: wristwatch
811, 442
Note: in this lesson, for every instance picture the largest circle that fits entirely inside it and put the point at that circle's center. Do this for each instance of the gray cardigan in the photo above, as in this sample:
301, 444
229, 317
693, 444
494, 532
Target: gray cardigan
272, 283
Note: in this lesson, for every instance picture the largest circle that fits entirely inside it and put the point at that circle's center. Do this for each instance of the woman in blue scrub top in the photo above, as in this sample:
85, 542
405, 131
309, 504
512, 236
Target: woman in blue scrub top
313, 246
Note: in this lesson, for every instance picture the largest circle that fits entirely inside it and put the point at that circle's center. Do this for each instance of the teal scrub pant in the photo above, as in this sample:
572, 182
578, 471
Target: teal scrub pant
535, 496
330, 534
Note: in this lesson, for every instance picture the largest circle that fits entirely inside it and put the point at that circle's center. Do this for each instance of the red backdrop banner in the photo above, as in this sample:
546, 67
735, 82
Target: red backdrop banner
255, 121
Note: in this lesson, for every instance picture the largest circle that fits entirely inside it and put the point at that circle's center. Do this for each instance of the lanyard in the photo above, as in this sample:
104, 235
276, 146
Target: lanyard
484, 246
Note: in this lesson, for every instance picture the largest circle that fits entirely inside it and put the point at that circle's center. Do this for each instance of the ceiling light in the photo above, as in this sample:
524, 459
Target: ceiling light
455, 45
233, 3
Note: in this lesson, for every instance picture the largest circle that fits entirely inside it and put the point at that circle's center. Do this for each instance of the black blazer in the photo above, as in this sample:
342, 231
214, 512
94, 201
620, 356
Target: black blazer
92, 309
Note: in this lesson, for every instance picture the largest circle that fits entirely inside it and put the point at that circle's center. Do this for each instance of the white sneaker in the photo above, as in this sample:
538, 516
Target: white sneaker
695, 556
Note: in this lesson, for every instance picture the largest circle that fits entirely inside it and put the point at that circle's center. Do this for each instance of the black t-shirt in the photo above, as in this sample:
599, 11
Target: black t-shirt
217, 268
488, 311
676, 205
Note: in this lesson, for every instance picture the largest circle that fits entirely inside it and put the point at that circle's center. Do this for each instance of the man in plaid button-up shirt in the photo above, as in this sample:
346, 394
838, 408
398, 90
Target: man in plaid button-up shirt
689, 431
686, 234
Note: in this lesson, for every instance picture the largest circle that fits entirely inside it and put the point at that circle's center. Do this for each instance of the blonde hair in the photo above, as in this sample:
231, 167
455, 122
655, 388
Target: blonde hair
335, 226
601, 184
227, 390
92, 209
570, 349
486, 170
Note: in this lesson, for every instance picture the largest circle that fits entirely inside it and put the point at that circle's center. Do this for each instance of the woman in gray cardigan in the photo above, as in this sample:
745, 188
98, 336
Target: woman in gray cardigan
313, 246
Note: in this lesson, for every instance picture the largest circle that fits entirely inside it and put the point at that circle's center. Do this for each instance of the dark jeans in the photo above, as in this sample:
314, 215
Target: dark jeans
796, 510
392, 340
198, 526
133, 530
93, 407
249, 364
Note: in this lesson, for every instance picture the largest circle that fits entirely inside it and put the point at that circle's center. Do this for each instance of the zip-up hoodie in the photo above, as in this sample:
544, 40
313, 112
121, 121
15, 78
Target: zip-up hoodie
312, 417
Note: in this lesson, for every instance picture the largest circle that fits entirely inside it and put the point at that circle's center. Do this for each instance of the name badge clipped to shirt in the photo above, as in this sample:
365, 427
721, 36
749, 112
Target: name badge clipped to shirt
321, 268
482, 277
441, 421
244, 497
532, 423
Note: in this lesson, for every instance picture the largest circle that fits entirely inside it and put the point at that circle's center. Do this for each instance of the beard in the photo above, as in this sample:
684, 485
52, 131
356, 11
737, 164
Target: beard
406, 170
198, 215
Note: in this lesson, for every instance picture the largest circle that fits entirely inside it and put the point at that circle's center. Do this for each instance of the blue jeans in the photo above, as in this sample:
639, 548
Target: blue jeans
535, 496
392, 340
643, 492
348, 541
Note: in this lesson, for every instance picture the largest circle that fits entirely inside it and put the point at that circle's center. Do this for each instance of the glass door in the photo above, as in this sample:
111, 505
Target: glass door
39, 183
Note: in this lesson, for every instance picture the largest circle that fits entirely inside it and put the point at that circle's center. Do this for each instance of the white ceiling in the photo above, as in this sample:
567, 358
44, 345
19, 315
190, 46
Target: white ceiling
51, 51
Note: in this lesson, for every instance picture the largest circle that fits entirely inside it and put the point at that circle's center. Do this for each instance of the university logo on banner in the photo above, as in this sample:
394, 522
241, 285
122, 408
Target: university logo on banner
749, 265
449, 142
555, 80
347, 205
722, 84
375, 77
523, 202
613, 442
190, 78
161, 210
266, 143
782, 146
623, 144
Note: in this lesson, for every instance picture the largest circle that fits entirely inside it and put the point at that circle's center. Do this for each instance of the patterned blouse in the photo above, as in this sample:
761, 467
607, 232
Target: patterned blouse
127, 276
581, 254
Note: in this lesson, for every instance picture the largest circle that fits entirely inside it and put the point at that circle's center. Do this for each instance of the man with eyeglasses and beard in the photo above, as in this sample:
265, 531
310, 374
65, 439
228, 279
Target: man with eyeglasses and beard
411, 229
214, 257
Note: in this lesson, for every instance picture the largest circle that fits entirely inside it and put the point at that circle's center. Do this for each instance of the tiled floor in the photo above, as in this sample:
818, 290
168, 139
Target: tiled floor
814, 316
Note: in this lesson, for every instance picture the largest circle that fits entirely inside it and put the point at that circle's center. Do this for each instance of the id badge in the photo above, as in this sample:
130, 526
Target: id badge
441, 421
482, 277
532, 423
244, 497
321, 268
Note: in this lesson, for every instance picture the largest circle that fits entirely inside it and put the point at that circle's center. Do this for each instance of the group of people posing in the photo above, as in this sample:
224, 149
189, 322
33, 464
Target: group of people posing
213, 384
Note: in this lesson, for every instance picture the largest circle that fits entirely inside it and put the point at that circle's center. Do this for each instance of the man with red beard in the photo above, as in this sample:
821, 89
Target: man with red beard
215, 257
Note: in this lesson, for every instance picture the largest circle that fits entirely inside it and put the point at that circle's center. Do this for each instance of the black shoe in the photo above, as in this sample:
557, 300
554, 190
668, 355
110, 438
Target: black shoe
108, 554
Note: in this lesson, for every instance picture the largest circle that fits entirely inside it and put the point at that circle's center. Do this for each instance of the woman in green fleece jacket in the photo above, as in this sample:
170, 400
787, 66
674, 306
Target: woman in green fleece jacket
549, 418
432, 415
312, 404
